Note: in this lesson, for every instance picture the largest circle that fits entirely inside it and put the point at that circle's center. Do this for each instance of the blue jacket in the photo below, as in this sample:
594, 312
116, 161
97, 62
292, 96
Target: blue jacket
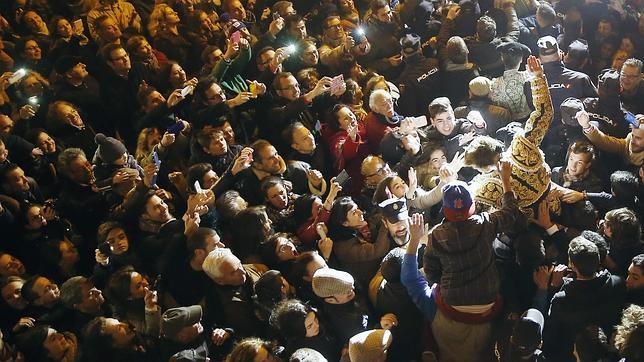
417, 287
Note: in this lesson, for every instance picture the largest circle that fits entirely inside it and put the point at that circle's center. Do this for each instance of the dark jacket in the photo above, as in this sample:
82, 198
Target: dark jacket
419, 84
495, 116
578, 304
347, 319
461, 257
590, 183
360, 257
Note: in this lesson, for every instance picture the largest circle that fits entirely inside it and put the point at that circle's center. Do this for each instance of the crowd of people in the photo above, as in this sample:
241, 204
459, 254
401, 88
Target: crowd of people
330, 180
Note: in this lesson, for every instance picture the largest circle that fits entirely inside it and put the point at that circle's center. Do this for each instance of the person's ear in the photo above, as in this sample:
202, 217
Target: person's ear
198, 253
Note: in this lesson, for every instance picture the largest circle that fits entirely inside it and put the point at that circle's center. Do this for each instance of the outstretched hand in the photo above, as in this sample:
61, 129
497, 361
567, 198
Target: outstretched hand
534, 66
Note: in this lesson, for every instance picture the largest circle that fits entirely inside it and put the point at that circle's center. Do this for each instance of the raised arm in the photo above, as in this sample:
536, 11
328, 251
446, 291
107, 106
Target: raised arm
417, 287
541, 118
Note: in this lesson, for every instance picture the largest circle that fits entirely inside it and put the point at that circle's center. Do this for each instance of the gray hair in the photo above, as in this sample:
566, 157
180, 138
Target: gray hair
215, 259
377, 96
71, 292
67, 157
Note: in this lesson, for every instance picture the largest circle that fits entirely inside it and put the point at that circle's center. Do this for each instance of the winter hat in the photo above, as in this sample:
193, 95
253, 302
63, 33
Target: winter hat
369, 345
458, 204
329, 282
480, 86
175, 319
547, 45
527, 332
409, 43
109, 149
569, 109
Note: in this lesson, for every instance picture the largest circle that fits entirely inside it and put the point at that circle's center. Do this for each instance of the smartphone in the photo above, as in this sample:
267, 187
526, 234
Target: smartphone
105, 249
291, 49
175, 128
276, 16
253, 89
630, 118
236, 37
77, 25
320, 230
343, 178
33, 101
155, 158
198, 188
18, 75
336, 83
187, 90
420, 121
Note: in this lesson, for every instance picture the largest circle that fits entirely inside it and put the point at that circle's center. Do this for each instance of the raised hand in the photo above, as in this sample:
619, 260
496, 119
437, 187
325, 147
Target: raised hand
413, 180
505, 170
416, 228
541, 276
457, 162
583, 119
534, 66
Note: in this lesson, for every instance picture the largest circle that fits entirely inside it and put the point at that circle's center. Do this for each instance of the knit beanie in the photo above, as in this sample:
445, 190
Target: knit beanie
109, 149
369, 345
329, 282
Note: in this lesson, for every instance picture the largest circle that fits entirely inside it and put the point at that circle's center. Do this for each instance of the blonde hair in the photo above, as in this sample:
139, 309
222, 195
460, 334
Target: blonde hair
38, 77
632, 319
142, 148
157, 19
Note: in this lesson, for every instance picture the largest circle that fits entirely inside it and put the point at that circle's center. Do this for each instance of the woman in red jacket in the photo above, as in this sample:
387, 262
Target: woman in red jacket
346, 138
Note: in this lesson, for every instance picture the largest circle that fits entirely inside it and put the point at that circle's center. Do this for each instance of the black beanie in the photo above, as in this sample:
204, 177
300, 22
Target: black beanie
109, 149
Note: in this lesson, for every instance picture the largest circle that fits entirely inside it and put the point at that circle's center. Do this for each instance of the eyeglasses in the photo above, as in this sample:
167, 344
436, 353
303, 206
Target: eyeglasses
293, 86
123, 57
382, 170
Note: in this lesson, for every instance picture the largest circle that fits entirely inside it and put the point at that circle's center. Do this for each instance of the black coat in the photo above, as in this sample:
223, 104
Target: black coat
578, 304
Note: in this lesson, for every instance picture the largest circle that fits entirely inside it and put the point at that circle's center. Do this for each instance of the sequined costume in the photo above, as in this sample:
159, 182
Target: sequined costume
530, 173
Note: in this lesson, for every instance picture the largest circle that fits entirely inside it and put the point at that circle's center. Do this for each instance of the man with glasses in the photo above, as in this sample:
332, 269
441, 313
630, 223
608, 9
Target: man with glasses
630, 79
336, 43
290, 105
373, 169
119, 87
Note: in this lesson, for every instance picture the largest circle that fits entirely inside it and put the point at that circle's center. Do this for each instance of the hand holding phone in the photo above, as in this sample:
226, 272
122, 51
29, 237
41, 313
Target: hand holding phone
336, 83
342, 178
77, 25
185, 91
236, 37
630, 118
175, 128
320, 229
19, 74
